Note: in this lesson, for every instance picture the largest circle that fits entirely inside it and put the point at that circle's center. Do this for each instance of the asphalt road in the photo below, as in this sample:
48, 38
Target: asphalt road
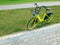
49, 35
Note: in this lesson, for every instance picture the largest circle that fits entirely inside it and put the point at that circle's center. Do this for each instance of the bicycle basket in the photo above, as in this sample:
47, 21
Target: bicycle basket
33, 13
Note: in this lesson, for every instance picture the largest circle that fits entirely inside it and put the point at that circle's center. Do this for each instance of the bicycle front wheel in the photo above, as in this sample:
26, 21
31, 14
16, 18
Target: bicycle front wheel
32, 23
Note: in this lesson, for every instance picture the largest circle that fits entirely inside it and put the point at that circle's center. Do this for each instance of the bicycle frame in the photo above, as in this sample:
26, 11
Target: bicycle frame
37, 14
39, 18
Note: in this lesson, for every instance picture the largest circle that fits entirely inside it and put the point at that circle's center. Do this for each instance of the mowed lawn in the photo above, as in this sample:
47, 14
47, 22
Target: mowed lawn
12, 21
21, 1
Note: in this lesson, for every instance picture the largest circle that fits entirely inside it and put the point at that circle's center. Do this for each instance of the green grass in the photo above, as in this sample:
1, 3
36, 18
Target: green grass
12, 21
21, 1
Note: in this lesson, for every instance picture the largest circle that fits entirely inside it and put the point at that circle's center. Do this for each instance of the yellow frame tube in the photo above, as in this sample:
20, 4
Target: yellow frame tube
39, 18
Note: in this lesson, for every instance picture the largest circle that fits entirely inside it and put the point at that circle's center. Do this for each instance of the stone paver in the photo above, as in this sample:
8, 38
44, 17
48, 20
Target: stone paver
48, 36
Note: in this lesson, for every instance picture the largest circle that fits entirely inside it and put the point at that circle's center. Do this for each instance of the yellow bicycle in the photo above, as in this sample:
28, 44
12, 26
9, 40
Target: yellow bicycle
36, 17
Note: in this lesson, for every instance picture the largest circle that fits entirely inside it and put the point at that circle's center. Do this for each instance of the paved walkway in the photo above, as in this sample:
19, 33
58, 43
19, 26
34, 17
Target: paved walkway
49, 35
27, 5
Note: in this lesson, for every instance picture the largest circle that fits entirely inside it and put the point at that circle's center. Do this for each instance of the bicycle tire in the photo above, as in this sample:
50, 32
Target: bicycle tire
34, 23
48, 20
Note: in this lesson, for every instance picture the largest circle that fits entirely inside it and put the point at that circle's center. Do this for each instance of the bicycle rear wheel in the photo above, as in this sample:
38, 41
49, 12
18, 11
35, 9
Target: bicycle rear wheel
48, 20
32, 23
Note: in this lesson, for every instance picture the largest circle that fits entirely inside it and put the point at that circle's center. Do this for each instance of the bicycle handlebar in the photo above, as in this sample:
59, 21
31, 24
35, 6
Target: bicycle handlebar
41, 6
37, 8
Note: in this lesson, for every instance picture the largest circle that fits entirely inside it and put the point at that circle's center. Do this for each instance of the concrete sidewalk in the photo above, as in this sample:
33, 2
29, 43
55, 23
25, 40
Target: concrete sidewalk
27, 5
